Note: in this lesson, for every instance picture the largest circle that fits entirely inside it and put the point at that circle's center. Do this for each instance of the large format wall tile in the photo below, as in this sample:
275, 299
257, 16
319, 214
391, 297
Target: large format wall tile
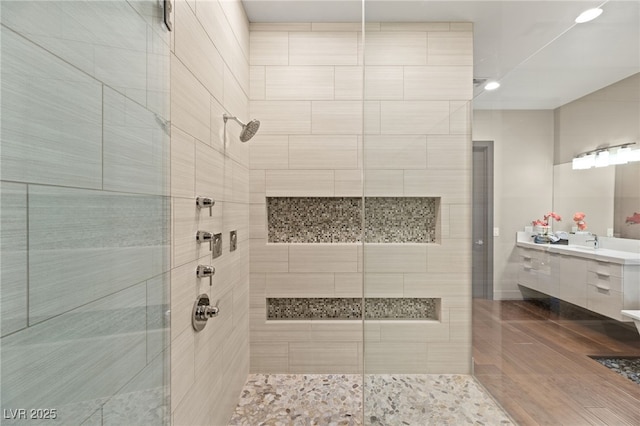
299, 183
13, 252
385, 358
299, 83
336, 117
323, 258
385, 258
76, 254
324, 357
158, 70
394, 152
190, 102
323, 152
448, 152
282, 117
136, 147
384, 82
269, 152
158, 321
183, 164
269, 48
396, 48
209, 172
348, 83
142, 401
323, 48
438, 83
414, 117
51, 115
46, 365
107, 40
196, 51
229, 33
450, 48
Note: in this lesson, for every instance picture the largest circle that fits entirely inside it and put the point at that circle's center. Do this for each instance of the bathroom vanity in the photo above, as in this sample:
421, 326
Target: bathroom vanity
603, 280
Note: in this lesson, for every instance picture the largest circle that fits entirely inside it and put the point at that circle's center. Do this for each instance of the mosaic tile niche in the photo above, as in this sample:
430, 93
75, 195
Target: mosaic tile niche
339, 219
324, 308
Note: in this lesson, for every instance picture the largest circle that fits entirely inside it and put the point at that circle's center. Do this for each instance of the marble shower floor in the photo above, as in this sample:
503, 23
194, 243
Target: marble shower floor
336, 399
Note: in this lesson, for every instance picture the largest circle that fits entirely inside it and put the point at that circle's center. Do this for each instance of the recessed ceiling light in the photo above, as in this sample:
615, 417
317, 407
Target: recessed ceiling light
492, 85
588, 15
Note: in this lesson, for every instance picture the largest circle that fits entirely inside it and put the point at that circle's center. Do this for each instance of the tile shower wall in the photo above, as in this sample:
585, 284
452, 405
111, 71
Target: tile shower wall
403, 122
84, 211
209, 77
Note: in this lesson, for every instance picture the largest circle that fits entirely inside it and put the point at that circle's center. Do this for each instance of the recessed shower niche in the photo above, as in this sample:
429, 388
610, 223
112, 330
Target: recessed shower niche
339, 219
345, 308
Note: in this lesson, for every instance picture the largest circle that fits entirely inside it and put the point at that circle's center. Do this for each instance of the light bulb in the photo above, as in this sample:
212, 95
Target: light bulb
634, 155
588, 15
602, 159
492, 85
621, 156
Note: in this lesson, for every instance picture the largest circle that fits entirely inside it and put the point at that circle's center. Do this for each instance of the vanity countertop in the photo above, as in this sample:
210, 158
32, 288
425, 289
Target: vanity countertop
603, 254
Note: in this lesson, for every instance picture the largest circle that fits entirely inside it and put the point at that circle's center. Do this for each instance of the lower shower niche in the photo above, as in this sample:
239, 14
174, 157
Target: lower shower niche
339, 219
340, 308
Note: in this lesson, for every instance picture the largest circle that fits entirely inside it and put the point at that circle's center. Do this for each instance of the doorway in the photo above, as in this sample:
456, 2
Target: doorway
482, 222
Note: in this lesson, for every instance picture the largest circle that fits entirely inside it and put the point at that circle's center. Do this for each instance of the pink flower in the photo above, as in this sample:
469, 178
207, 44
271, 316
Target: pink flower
553, 215
582, 225
545, 220
578, 216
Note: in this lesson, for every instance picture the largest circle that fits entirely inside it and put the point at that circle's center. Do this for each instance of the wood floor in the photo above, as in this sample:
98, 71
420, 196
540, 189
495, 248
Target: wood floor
534, 359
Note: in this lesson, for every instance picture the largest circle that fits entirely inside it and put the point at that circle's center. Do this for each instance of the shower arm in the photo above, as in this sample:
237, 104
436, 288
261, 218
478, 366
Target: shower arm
226, 117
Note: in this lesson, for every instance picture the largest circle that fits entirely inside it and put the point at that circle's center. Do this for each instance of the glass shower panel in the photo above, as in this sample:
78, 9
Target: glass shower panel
84, 213
417, 193
556, 315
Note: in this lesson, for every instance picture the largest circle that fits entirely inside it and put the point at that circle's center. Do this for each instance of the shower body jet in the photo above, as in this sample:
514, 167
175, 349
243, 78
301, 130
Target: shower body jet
248, 130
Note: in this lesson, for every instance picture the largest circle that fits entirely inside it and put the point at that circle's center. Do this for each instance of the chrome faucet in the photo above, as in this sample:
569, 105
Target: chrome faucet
596, 243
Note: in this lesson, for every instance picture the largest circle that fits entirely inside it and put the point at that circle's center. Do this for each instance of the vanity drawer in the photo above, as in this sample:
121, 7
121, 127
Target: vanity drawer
527, 276
604, 281
527, 255
605, 302
605, 268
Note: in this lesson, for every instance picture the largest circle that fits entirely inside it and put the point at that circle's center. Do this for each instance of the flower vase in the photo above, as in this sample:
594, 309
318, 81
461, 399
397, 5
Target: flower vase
541, 230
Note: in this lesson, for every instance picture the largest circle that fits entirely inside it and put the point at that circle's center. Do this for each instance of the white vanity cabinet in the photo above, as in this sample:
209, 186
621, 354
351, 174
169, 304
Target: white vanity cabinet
612, 287
527, 271
535, 271
603, 281
572, 279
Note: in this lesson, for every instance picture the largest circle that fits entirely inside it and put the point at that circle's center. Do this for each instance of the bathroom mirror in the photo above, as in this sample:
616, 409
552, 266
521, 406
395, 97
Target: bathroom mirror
607, 195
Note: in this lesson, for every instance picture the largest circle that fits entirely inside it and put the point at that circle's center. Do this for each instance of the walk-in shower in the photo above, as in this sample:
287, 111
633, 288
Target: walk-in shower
249, 130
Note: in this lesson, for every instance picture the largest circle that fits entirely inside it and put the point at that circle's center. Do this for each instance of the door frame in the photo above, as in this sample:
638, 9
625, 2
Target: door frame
487, 148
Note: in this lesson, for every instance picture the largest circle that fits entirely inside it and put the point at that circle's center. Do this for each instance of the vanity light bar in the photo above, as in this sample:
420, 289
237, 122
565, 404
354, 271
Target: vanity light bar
612, 155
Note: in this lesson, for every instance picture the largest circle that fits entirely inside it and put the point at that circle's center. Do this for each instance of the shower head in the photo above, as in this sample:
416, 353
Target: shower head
248, 130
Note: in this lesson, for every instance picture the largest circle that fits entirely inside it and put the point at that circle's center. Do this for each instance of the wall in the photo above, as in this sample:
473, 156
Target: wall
209, 76
306, 87
605, 117
85, 219
523, 181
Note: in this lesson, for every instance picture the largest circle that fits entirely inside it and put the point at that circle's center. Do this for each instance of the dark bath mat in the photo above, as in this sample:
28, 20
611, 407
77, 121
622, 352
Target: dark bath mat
628, 367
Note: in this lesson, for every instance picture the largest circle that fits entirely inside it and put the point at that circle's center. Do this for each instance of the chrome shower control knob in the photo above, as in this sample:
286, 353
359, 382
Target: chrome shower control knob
202, 311
211, 311
205, 203
203, 271
204, 236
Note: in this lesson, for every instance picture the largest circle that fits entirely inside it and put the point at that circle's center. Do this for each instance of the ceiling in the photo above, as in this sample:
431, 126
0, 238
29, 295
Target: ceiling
540, 56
